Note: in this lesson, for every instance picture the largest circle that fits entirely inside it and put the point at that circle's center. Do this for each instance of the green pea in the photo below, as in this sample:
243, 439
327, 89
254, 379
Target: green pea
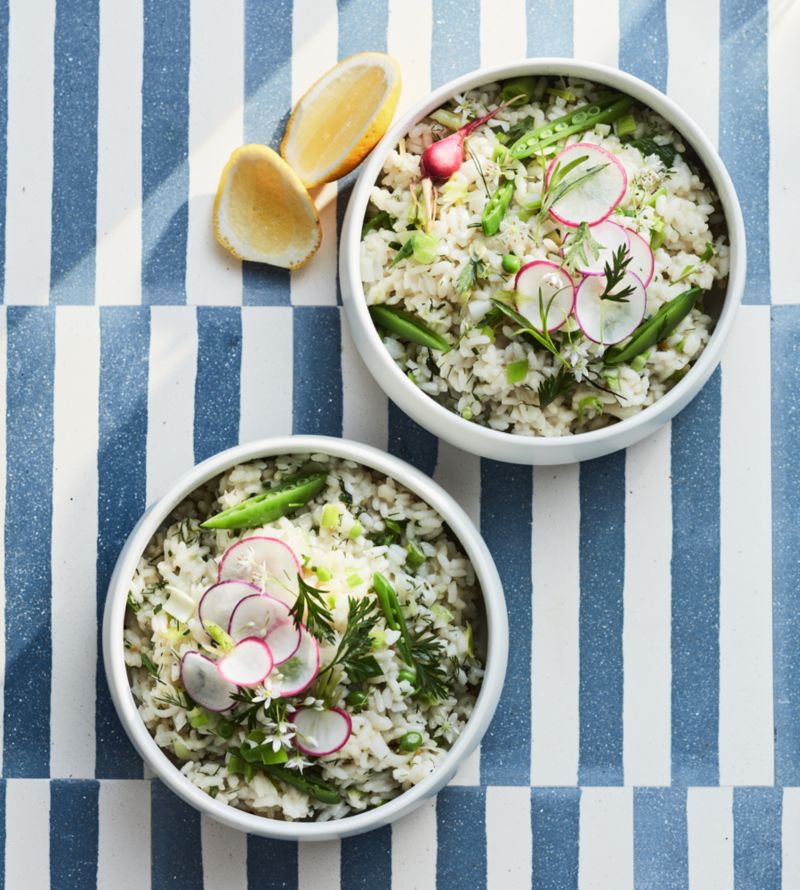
409, 742
269, 505
407, 675
511, 263
408, 327
357, 699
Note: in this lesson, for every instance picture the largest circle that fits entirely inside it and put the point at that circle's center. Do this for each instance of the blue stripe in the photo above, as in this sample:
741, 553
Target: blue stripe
74, 214
176, 859
555, 820
367, 860
409, 441
3, 792
29, 498
695, 589
785, 343
744, 129
74, 831
661, 846
216, 392
268, 100
757, 849
506, 507
124, 350
550, 27
602, 576
271, 864
643, 40
455, 48
165, 150
363, 26
461, 838
317, 371
3, 138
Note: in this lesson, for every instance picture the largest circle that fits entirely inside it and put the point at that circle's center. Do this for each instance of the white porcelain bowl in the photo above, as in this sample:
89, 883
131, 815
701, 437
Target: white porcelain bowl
496, 637
507, 446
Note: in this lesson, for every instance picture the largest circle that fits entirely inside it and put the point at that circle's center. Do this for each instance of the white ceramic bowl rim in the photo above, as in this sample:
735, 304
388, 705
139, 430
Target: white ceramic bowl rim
496, 637
482, 439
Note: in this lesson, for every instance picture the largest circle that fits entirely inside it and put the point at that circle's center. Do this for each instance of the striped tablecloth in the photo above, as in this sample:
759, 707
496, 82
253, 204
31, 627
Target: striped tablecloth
649, 734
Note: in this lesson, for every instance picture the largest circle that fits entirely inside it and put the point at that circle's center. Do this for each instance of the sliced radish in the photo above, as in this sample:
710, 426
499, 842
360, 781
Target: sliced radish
204, 683
605, 321
610, 237
248, 663
218, 602
321, 732
261, 615
594, 199
264, 561
643, 263
298, 672
544, 287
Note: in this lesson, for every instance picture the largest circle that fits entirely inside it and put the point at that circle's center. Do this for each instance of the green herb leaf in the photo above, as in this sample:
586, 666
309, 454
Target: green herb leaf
551, 388
648, 146
614, 273
381, 220
469, 276
149, 665
310, 608
581, 248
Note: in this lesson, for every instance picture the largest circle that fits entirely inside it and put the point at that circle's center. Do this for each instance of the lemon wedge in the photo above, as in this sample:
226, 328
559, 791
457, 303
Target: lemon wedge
342, 117
262, 211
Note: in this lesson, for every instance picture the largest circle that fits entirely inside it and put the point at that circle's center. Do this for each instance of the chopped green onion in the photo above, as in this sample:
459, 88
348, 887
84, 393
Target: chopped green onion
197, 718
516, 372
330, 516
657, 233
354, 580
355, 531
322, 574
625, 126
415, 556
424, 248
181, 751
640, 361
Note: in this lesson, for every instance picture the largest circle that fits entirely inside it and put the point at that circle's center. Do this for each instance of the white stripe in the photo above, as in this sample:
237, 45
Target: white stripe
365, 409
555, 660
30, 151
508, 838
314, 50
409, 41
119, 153
469, 772
224, 856
266, 376
596, 31
216, 125
28, 833
74, 541
693, 71
746, 753
784, 179
503, 31
3, 451
459, 474
170, 398
605, 857
790, 833
319, 865
646, 632
123, 861
709, 816
414, 849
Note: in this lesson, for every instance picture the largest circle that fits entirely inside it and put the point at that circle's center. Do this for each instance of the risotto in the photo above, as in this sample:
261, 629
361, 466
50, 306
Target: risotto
303, 638
555, 271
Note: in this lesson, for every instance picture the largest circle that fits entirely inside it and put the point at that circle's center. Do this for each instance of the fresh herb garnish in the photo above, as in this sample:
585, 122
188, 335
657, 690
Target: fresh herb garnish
132, 604
693, 267
381, 220
648, 146
310, 608
558, 185
344, 495
150, 666
354, 653
581, 248
614, 273
551, 388
404, 253
479, 168
525, 327
517, 130
470, 275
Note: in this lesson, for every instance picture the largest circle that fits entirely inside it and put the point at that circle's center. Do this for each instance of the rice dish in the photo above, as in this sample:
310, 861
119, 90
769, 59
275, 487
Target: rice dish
563, 373
401, 709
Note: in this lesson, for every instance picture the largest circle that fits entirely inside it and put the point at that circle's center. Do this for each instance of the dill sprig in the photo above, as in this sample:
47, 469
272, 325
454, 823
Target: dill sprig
614, 273
470, 275
310, 608
551, 388
581, 248
354, 652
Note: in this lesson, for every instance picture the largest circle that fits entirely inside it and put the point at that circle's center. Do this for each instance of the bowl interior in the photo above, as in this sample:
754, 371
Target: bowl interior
495, 636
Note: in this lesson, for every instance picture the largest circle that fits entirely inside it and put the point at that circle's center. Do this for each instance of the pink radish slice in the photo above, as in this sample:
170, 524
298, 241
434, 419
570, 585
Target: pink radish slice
604, 321
248, 663
553, 285
299, 671
264, 561
321, 732
204, 683
595, 199
643, 262
611, 237
263, 616
218, 602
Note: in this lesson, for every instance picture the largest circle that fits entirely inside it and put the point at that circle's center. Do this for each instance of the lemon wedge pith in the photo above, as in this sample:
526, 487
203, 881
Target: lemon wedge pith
262, 211
341, 117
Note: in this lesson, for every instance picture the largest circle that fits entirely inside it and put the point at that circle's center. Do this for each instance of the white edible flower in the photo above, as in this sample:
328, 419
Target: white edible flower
297, 762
